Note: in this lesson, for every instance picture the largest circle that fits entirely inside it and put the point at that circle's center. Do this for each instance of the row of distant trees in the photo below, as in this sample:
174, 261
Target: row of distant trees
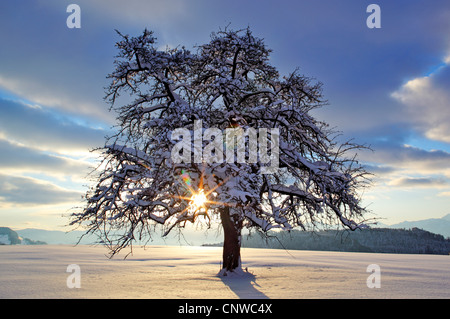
376, 240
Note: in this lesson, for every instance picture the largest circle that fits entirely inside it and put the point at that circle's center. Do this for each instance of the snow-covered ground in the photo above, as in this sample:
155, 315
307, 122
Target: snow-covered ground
190, 272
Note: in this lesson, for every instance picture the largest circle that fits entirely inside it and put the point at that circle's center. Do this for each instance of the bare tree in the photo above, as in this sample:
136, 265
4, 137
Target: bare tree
147, 176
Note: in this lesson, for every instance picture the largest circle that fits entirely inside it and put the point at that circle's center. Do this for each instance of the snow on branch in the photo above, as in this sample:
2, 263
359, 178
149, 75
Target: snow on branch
227, 83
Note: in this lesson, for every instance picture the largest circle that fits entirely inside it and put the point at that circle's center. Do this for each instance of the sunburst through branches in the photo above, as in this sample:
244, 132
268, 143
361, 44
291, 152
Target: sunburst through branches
198, 198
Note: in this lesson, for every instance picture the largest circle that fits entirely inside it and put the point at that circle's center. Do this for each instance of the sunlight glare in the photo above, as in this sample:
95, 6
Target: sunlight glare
198, 200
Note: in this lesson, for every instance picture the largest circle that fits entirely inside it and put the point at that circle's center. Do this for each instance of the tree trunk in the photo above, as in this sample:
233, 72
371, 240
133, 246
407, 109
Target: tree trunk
232, 225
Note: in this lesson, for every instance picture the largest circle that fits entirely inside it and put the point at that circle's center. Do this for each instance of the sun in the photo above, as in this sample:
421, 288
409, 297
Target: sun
198, 201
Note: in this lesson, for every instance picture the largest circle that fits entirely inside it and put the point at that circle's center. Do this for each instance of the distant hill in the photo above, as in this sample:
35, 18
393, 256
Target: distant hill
10, 237
435, 225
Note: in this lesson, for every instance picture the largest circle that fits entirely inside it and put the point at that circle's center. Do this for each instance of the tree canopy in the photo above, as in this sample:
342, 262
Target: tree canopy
301, 174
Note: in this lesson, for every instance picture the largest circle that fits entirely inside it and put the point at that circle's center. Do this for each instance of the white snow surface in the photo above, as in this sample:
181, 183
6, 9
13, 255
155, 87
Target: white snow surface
186, 272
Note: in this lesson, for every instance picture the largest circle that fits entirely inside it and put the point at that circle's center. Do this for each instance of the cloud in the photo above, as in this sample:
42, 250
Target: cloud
399, 165
427, 102
403, 157
55, 94
29, 191
447, 59
379, 169
420, 182
45, 129
49, 64
21, 159
66, 69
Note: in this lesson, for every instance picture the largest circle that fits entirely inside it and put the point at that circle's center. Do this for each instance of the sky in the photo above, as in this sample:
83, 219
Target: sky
386, 87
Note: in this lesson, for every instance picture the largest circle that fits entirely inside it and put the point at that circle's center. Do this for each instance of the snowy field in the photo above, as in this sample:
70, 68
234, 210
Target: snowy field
190, 272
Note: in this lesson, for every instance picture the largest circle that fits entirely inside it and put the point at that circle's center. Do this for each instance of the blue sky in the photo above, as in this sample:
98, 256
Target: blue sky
386, 87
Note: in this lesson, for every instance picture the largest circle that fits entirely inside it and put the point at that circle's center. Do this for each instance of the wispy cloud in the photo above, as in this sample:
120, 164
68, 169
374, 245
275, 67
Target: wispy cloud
52, 94
23, 160
444, 194
45, 129
427, 100
26, 191
420, 182
399, 157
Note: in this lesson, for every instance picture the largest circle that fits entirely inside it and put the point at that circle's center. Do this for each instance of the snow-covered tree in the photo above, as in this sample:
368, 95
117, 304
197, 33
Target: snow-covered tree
173, 160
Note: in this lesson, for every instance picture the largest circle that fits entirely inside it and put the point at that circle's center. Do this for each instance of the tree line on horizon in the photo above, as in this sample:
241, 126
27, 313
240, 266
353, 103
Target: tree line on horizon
372, 240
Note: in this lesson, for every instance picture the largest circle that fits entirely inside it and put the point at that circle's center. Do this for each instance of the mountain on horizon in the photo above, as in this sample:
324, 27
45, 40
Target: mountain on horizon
439, 226
10, 237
